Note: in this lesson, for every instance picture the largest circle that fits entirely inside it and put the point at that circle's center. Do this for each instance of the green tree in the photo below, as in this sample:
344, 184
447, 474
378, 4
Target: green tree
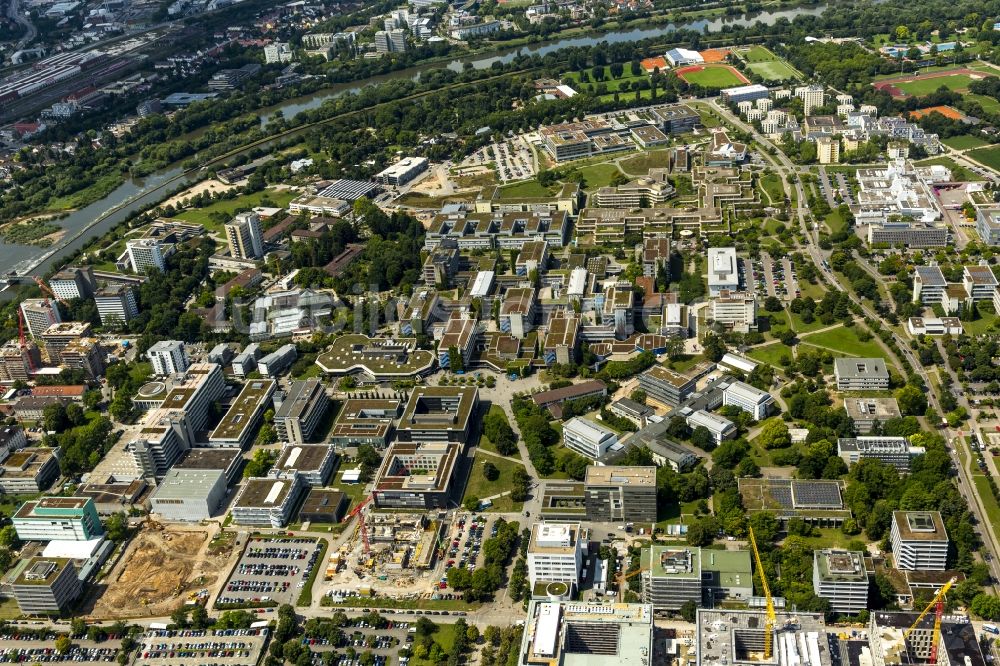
63, 644
703, 438
471, 503
774, 435
912, 401
688, 611
490, 471
638, 395
54, 417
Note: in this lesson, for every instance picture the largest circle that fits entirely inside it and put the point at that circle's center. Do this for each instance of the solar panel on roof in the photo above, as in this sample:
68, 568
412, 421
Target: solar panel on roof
807, 494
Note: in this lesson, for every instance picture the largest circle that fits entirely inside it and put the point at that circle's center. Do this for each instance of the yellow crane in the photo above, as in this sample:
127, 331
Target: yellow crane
772, 619
937, 603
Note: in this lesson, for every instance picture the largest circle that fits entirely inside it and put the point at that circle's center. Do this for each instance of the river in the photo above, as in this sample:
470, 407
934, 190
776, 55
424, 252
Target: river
101, 216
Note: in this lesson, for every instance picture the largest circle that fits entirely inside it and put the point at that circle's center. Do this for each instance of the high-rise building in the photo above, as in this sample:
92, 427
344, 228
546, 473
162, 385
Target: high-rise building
168, 357
116, 305
246, 240
811, 96
39, 314
301, 410
145, 254
17, 362
555, 553
73, 282
278, 52
46, 585
919, 540
85, 354
59, 335
671, 577
840, 577
390, 41
828, 150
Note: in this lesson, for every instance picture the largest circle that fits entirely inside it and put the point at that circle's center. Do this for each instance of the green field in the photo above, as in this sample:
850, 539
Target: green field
216, 214
845, 340
964, 142
835, 221
445, 637
988, 156
598, 175
484, 441
527, 188
640, 164
758, 54
989, 104
925, 86
986, 321
801, 327
775, 70
622, 84
481, 487
771, 354
717, 76
771, 184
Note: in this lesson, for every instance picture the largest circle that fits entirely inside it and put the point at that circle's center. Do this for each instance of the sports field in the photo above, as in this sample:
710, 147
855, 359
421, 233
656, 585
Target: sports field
925, 83
712, 76
946, 111
766, 65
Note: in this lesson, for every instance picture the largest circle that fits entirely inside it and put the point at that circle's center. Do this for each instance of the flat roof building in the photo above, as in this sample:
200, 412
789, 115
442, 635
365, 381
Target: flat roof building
555, 554
666, 386
366, 421
239, 426
416, 475
891, 643
301, 411
438, 414
46, 585
919, 540
723, 270
268, 501
720, 427
314, 463
167, 357
894, 451
861, 374
228, 461
586, 634
866, 412
58, 519
189, 495
671, 577
737, 637
323, 505
29, 470
616, 493
840, 577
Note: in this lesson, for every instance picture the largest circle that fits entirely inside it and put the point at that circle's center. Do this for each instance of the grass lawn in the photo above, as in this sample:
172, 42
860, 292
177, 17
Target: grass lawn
481, 487
777, 320
989, 104
835, 221
828, 537
958, 172
684, 362
484, 441
758, 53
527, 188
639, 165
925, 86
227, 207
713, 76
845, 340
988, 156
964, 142
355, 491
771, 184
989, 501
800, 326
981, 325
621, 84
445, 637
599, 175
773, 70
9, 609
771, 354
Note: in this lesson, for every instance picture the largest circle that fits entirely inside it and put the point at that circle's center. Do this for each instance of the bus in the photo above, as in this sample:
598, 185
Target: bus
992, 628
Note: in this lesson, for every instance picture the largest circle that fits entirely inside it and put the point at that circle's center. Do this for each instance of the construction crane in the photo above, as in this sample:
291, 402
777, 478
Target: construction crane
45, 288
937, 603
772, 619
356, 511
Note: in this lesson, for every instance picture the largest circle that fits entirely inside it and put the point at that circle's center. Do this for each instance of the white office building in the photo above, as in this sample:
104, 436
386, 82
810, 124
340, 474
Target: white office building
840, 577
555, 553
145, 254
587, 438
861, 374
723, 270
720, 427
919, 540
750, 399
168, 357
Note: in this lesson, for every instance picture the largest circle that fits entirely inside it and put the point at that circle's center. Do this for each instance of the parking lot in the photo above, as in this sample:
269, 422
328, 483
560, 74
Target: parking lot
513, 159
384, 641
270, 570
31, 649
208, 648
466, 538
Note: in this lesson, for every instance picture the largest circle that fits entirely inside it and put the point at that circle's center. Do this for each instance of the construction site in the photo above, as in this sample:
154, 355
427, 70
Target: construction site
162, 567
389, 553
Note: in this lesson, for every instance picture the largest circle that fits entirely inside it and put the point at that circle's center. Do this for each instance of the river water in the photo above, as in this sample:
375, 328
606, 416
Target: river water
100, 217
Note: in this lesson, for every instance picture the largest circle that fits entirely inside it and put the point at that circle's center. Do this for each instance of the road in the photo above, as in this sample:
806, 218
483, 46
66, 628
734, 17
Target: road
820, 258
21, 18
